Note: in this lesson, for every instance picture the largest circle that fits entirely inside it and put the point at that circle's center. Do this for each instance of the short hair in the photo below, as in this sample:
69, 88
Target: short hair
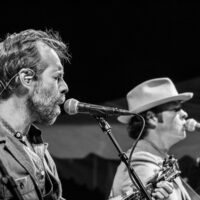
135, 124
19, 50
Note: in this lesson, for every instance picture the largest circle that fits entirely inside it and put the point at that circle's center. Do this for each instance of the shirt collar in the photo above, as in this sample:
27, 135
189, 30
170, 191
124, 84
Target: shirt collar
34, 134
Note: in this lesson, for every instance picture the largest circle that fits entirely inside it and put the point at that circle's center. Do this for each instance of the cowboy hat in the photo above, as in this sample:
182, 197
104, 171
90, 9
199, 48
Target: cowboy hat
152, 93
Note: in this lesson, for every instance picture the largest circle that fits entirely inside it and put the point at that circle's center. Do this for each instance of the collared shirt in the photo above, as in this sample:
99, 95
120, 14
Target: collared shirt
19, 162
146, 163
37, 161
35, 148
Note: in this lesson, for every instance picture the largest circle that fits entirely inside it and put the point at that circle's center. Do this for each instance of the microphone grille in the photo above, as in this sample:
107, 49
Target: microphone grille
191, 125
71, 106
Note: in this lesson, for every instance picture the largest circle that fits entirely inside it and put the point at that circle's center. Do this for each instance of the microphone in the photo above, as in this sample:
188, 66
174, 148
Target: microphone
72, 107
192, 125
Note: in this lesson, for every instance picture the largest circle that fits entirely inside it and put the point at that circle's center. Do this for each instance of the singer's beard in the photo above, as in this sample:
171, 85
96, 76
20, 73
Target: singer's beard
44, 105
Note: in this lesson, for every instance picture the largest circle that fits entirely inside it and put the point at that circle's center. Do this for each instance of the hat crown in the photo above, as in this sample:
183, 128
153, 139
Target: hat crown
149, 92
152, 93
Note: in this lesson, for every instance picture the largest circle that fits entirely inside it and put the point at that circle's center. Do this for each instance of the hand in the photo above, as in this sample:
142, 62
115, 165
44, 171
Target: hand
163, 190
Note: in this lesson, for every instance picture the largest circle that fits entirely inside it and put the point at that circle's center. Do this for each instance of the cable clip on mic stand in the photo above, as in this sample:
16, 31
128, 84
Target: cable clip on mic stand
106, 128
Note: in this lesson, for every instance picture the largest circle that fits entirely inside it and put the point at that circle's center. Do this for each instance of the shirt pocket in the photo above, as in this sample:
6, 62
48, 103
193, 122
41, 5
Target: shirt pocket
24, 185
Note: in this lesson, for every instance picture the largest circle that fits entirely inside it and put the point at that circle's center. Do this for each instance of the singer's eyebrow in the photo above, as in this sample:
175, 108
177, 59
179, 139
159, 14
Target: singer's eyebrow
58, 69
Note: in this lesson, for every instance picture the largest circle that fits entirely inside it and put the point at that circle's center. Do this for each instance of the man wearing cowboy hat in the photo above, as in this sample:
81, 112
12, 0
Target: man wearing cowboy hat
158, 101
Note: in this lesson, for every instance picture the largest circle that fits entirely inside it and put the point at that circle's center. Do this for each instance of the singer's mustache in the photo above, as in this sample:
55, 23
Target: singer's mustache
60, 100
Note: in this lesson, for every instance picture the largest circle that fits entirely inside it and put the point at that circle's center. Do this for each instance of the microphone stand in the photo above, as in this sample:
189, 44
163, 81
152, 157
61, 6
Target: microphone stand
107, 129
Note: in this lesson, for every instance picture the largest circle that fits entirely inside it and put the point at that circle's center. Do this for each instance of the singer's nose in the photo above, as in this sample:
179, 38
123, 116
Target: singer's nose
64, 87
183, 114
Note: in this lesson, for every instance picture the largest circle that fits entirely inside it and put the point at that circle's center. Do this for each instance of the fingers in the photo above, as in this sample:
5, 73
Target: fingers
163, 190
160, 194
166, 186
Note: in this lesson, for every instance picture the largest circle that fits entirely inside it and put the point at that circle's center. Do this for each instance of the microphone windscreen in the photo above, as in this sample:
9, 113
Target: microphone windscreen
191, 125
71, 106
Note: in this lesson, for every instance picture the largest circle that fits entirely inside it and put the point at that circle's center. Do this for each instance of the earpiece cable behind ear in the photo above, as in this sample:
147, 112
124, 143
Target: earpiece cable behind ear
8, 83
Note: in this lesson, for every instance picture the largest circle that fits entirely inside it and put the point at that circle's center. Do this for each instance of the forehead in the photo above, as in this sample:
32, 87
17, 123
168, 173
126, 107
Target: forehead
49, 57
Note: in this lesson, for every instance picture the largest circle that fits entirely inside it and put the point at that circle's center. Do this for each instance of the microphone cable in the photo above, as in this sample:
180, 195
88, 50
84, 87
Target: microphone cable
133, 148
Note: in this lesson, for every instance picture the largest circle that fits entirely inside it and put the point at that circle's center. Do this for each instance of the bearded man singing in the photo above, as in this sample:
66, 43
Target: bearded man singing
32, 89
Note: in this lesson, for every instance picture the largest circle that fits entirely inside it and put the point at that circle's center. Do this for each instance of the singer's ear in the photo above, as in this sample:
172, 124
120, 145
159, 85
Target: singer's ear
151, 119
26, 77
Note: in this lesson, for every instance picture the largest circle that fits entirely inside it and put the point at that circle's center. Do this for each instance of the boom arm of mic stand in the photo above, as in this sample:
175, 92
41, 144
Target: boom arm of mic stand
107, 128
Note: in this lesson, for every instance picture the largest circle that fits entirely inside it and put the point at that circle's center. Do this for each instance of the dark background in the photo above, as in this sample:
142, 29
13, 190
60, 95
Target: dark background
115, 45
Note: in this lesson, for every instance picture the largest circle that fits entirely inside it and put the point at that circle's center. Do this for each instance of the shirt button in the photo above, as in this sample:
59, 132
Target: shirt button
18, 135
42, 174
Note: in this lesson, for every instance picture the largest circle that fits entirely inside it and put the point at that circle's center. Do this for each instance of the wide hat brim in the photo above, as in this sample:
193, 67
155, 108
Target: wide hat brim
180, 97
